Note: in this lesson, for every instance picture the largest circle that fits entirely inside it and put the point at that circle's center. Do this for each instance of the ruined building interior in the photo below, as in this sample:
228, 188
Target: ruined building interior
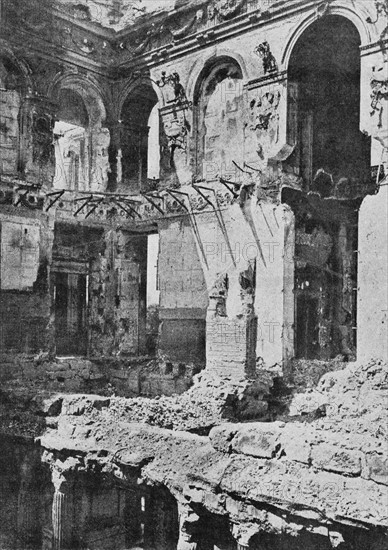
193, 274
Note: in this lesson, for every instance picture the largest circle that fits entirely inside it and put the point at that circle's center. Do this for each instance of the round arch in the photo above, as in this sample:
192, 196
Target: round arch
21, 66
133, 87
201, 67
343, 11
88, 91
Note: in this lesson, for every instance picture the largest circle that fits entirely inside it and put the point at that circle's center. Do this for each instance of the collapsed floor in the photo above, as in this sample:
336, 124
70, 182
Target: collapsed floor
314, 478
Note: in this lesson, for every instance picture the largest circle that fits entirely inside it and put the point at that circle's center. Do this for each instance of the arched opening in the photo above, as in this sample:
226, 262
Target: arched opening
332, 158
11, 84
72, 147
324, 108
219, 128
139, 152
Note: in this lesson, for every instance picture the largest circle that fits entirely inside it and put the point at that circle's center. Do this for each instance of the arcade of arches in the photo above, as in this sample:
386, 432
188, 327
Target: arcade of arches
193, 270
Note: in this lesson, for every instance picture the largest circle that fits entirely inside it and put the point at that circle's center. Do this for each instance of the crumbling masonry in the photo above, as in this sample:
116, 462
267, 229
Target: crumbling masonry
193, 274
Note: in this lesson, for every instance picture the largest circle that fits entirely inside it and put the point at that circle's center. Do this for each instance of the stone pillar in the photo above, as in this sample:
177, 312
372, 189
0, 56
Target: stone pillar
372, 306
372, 303
62, 520
188, 527
115, 155
28, 505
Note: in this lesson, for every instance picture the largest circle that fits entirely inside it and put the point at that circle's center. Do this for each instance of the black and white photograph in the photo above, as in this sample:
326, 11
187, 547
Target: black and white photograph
193, 274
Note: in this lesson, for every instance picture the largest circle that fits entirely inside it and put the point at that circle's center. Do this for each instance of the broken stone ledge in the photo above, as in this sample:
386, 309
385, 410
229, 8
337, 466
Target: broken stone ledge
332, 471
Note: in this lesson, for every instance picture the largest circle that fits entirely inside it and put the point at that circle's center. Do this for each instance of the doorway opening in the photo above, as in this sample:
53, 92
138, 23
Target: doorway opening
70, 302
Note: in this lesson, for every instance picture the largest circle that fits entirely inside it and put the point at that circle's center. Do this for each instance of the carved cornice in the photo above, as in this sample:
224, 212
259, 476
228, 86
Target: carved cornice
203, 33
151, 40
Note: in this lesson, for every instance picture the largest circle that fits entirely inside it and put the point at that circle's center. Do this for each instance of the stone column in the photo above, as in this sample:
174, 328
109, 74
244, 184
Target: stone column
28, 506
372, 301
61, 513
188, 527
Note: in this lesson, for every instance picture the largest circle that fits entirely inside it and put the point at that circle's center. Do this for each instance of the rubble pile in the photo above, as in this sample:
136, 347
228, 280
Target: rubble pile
322, 477
210, 401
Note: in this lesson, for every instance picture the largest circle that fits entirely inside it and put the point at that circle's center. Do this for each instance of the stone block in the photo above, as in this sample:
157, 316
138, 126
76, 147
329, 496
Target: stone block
96, 376
119, 374
221, 437
80, 364
77, 404
59, 366
336, 459
50, 406
65, 374
195, 495
296, 442
377, 468
257, 439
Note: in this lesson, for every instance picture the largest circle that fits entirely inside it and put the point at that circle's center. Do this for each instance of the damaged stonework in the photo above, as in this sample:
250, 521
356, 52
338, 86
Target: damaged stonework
258, 479
225, 161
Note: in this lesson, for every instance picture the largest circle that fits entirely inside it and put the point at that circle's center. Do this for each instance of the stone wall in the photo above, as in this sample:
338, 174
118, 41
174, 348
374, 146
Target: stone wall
9, 130
138, 375
183, 293
24, 296
372, 316
316, 483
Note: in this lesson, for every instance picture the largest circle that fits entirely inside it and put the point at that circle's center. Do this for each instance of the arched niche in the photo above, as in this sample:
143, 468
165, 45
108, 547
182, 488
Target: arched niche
218, 121
332, 159
81, 140
139, 153
324, 108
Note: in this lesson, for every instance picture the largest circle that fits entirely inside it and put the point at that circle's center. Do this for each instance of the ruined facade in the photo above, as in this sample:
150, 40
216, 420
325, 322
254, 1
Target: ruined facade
195, 192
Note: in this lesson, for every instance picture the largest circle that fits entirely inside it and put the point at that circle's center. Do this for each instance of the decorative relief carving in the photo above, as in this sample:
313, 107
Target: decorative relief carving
264, 121
181, 32
263, 51
174, 81
247, 281
381, 11
264, 109
101, 167
176, 128
218, 294
379, 95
